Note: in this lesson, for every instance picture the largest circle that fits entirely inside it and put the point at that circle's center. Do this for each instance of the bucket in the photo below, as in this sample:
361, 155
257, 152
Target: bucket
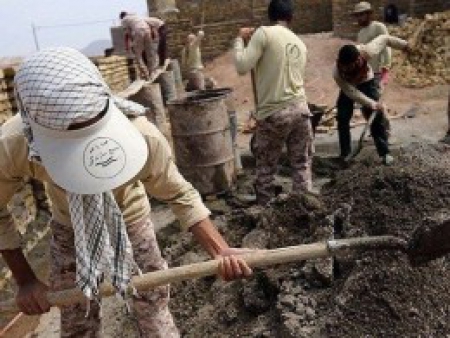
202, 141
174, 66
196, 81
168, 88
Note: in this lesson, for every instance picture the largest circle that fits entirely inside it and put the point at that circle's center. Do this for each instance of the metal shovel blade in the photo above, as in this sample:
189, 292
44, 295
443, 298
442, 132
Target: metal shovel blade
429, 241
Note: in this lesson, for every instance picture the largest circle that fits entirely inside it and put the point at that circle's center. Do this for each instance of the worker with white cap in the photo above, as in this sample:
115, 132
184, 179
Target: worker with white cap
371, 29
100, 158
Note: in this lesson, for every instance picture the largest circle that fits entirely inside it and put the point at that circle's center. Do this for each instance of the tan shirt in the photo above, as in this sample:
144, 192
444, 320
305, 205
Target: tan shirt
279, 59
192, 56
159, 178
371, 50
134, 23
368, 34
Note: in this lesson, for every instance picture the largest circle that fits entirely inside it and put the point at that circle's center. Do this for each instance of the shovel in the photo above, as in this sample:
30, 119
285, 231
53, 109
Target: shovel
425, 245
360, 145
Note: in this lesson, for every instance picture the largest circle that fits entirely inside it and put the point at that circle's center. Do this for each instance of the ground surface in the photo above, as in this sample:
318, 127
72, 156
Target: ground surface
376, 295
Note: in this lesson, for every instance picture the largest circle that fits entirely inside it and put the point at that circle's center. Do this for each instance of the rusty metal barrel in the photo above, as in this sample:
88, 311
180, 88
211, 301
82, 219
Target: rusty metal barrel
202, 141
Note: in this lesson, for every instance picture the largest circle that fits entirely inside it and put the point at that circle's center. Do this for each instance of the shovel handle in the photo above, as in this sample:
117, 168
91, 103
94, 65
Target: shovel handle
256, 259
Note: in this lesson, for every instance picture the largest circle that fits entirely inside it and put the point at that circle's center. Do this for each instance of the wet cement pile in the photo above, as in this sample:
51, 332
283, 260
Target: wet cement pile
374, 294
382, 295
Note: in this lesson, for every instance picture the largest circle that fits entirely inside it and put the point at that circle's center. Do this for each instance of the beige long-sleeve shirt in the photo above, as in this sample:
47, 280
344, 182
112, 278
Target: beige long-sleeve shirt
368, 34
159, 178
279, 59
133, 23
370, 51
191, 54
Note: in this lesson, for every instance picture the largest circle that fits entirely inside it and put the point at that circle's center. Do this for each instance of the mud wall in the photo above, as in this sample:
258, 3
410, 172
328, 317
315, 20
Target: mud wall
221, 21
344, 24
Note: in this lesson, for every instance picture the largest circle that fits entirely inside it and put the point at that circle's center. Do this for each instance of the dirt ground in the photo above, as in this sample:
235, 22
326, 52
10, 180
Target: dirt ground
373, 295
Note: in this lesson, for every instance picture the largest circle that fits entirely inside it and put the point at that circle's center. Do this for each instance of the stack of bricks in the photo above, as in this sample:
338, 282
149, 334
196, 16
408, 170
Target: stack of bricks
117, 71
8, 106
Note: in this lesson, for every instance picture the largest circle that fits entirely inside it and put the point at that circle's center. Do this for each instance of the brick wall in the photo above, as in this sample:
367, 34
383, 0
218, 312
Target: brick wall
118, 72
222, 19
419, 8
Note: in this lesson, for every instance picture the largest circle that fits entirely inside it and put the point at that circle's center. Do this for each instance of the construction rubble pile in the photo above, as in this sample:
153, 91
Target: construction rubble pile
377, 294
430, 63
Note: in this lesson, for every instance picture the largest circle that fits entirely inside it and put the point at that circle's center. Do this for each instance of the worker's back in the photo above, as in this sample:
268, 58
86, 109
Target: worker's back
280, 71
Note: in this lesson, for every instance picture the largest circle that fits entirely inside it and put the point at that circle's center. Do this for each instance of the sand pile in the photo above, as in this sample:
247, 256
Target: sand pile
376, 294
430, 64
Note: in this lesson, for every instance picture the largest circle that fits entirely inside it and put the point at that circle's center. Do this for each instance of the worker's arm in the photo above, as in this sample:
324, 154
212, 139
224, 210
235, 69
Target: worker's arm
353, 92
246, 58
163, 181
127, 40
376, 46
386, 54
31, 294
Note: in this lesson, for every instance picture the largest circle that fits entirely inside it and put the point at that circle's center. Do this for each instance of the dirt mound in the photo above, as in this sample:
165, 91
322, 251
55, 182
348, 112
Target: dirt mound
382, 295
374, 294
429, 64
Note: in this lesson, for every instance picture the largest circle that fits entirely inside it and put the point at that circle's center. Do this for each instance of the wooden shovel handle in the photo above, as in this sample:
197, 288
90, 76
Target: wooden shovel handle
256, 259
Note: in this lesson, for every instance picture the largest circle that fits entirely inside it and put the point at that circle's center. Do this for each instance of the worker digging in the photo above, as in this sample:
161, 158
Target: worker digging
104, 159
90, 232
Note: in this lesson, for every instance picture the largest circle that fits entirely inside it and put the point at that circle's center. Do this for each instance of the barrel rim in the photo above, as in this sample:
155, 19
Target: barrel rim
189, 98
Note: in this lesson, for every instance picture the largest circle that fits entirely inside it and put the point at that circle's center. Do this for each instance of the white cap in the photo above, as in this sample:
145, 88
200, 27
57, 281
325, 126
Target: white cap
59, 88
94, 159
362, 7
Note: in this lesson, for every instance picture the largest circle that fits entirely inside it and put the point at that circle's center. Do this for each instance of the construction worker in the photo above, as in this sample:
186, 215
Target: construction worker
356, 79
277, 56
191, 61
371, 29
99, 167
149, 36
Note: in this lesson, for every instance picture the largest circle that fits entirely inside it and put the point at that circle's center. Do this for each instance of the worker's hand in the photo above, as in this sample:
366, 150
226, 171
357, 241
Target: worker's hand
379, 106
246, 33
31, 298
231, 266
384, 76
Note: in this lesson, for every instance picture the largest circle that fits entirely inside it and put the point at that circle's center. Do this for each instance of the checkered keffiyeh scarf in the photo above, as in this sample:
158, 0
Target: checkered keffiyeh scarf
55, 88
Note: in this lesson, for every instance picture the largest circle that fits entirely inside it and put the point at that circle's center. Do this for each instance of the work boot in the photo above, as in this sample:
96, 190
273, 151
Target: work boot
388, 160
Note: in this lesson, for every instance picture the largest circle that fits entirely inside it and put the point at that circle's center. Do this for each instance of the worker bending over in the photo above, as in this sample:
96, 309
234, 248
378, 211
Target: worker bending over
99, 157
356, 79
149, 36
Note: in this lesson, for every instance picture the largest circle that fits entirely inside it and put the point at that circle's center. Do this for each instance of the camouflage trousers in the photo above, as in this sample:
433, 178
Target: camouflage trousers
150, 309
290, 126
143, 42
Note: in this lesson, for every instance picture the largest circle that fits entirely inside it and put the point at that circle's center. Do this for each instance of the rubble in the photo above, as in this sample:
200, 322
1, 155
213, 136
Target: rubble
430, 63
371, 294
